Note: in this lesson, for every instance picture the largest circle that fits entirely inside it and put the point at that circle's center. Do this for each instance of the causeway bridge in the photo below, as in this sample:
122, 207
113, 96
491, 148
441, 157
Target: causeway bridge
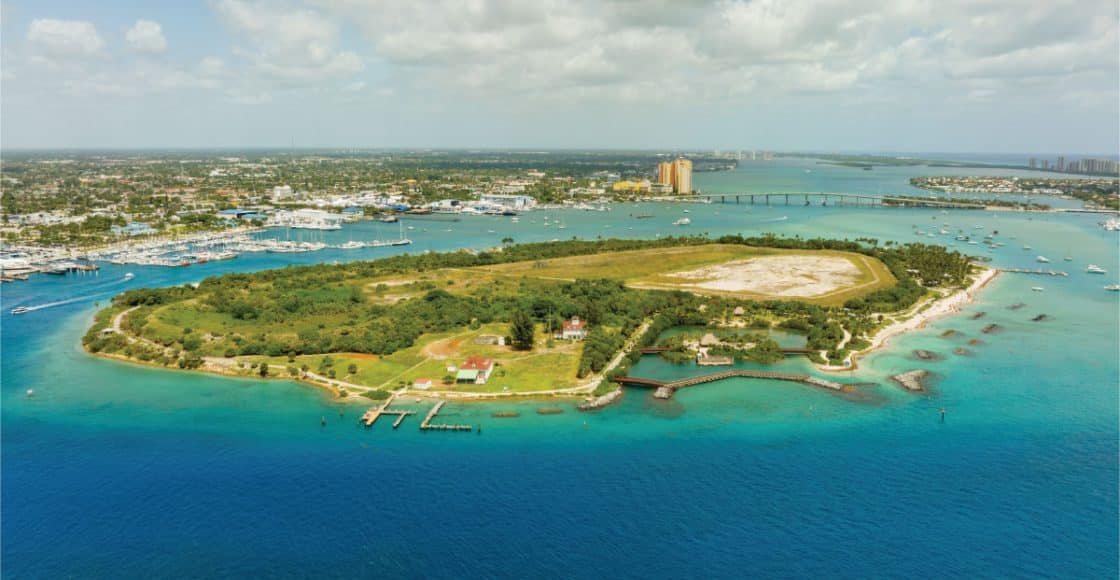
828, 198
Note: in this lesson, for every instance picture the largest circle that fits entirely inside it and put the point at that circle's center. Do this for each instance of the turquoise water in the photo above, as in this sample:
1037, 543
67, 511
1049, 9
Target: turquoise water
113, 470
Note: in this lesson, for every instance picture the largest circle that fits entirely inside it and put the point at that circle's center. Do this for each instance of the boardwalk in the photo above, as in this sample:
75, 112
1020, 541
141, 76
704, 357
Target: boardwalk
665, 389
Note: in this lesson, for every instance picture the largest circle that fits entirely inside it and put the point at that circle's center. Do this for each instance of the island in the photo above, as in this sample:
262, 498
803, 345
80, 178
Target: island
541, 320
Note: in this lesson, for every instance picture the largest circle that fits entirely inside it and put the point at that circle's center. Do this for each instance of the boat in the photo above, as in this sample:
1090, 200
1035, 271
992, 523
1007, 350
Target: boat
1113, 287
20, 310
389, 219
129, 276
643, 216
682, 222
1037, 288
1095, 269
686, 211
1042, 259
1026, 248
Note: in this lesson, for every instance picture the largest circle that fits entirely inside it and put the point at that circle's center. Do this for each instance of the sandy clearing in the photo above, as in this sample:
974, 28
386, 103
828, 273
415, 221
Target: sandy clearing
442, 349
790, 276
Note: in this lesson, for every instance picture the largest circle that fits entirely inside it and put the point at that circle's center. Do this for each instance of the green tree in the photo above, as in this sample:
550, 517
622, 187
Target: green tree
264, 369
521, 330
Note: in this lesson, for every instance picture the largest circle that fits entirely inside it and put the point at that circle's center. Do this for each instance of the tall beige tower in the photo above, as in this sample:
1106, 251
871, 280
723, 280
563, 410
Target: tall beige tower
682, 176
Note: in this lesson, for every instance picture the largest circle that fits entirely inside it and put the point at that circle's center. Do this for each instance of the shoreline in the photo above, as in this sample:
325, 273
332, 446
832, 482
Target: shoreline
925, 312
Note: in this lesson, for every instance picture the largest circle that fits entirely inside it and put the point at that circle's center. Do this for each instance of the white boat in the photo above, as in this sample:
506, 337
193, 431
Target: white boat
20, 310
686, 211
1095, 269
1113, 287
1026, 248
1037, 288
129, 276
1042, 259
682, 222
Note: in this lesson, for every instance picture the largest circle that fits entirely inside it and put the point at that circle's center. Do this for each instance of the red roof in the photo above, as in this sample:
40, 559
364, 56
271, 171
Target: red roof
476, 363
574, 324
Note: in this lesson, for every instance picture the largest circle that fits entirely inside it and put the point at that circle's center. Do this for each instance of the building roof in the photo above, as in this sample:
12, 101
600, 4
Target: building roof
466, 375
709, 339
421, 380
574, 324
476, 363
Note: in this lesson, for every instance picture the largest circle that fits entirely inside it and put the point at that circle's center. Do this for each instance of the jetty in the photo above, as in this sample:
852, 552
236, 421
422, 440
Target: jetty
427, 425
665, 389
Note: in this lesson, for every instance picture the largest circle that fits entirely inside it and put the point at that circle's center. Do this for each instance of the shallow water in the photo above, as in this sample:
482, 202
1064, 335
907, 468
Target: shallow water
114, 470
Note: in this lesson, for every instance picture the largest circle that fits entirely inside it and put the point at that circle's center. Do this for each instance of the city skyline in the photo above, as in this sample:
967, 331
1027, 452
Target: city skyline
848, 76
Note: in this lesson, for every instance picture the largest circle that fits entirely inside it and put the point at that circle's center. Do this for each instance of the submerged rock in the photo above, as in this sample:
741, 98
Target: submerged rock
926, 355
990, 328
1040, 318
979, 315
912, 380
960, 351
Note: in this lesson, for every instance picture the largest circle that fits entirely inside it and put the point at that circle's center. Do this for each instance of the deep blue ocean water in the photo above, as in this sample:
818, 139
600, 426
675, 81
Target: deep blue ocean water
114, 471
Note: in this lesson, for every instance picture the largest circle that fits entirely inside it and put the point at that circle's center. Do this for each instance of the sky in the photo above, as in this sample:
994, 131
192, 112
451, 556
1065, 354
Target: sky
983, 76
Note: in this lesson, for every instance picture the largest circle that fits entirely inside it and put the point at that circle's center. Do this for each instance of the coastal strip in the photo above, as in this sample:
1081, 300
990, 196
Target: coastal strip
935, 309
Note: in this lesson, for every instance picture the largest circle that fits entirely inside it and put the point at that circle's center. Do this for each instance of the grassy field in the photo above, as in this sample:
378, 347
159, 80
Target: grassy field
652, 269
539, 370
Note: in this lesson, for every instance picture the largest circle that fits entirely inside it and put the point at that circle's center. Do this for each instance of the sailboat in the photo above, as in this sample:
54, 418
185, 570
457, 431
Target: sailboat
403, 241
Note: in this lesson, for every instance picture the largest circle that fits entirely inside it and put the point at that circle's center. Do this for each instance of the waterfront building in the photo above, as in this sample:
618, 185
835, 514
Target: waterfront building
475, 369
635, 186
282, 192
517, 202
665, 173
682, 176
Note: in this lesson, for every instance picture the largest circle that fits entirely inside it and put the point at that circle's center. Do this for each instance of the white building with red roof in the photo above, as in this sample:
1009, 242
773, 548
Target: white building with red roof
476, 369
574, 329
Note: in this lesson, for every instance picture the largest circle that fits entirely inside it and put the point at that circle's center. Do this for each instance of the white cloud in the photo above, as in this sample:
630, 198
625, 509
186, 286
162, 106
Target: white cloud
146, 36
720, 49
288, 46
64, 38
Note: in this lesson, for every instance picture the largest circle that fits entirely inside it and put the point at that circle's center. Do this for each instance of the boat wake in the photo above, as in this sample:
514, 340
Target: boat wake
96, 296
777, 219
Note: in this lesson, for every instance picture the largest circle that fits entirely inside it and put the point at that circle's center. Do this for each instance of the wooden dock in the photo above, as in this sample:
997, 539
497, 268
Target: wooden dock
665, 389
374, 413
427, 425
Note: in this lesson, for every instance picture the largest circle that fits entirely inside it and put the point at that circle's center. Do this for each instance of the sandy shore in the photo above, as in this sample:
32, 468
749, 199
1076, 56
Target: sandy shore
939, 307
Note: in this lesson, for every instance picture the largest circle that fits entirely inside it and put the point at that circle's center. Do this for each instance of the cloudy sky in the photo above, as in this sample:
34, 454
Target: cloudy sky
854, 75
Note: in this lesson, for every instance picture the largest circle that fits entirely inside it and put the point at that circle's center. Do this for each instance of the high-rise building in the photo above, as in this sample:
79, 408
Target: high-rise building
677, 174
682, 176
1061, 163
665, 173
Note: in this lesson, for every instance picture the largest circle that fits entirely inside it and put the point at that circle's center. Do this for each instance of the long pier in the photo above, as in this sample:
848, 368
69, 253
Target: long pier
1037, 271
832, 198
665, 389
427, 425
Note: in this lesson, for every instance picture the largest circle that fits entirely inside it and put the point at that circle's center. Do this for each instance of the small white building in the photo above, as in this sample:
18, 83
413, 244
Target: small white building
574, 329
422, 383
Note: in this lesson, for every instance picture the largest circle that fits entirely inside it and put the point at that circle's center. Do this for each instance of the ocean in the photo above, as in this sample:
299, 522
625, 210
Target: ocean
117, 471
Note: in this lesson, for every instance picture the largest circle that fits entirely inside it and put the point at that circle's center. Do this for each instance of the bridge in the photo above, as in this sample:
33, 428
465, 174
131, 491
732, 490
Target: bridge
828, 198
665, 389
